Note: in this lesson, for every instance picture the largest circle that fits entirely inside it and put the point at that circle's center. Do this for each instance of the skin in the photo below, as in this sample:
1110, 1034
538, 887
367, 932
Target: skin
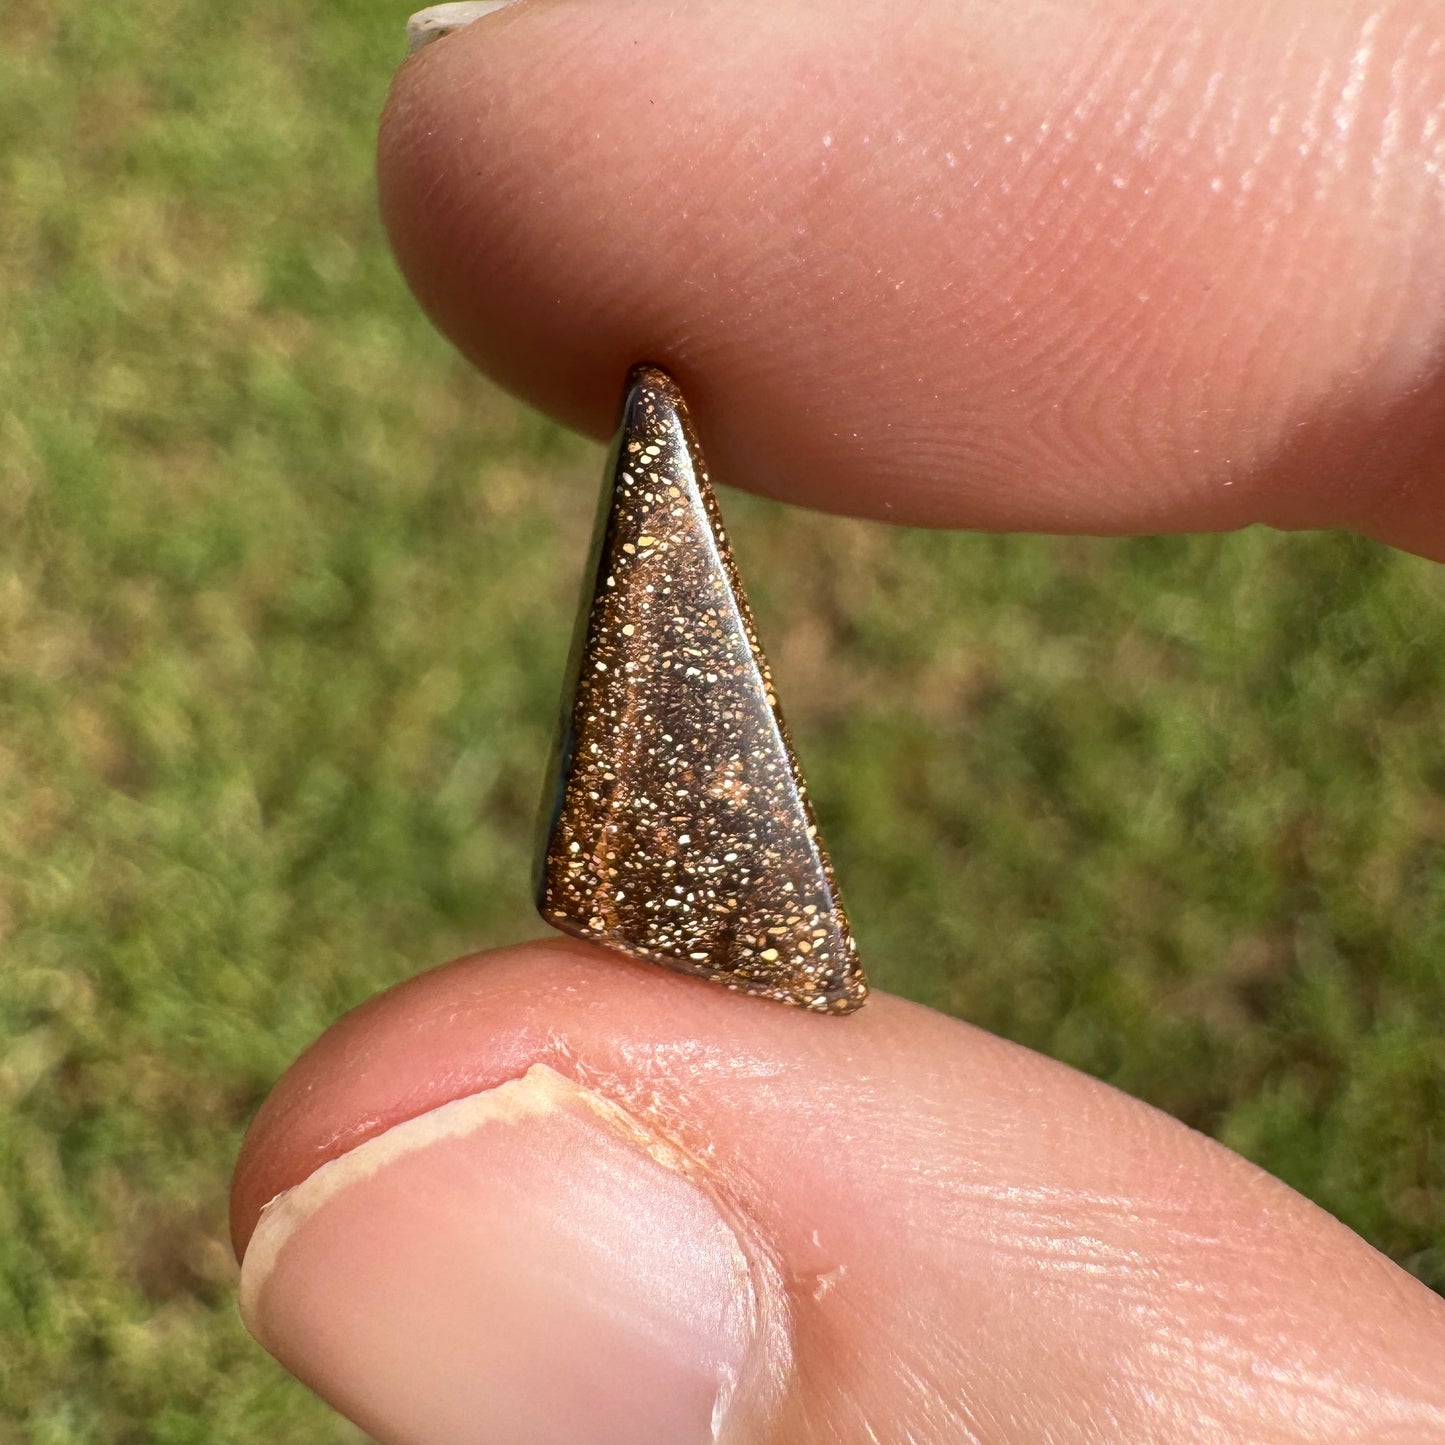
1094, 268
1101, 267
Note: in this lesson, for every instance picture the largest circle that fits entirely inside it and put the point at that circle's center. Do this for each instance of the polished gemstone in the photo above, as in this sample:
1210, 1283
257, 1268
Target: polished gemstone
680, 829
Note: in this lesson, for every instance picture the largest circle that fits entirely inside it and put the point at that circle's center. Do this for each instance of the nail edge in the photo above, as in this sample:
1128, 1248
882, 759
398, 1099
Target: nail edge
436, 22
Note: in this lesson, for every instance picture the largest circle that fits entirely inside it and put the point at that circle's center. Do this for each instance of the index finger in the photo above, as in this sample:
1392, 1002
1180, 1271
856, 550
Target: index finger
1087, 268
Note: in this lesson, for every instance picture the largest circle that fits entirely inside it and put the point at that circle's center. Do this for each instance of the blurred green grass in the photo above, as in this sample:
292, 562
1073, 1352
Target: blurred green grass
284, 597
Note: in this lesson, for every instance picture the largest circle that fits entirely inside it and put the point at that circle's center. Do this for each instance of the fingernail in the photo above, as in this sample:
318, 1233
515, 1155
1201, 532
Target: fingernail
438, 21
526, 1265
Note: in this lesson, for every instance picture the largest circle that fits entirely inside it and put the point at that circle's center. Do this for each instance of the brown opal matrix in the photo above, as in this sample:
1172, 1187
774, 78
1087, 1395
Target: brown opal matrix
679, 829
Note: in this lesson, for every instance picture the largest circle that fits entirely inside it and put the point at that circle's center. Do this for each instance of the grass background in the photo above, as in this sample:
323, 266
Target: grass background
284, 599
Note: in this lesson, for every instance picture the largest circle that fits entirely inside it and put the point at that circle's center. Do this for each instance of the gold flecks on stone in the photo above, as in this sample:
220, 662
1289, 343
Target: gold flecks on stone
680, 829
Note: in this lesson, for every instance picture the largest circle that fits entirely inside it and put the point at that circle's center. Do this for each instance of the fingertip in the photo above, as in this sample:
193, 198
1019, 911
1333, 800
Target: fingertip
478, 153
528, 1262
1095, 1241
994, 268
482, 1020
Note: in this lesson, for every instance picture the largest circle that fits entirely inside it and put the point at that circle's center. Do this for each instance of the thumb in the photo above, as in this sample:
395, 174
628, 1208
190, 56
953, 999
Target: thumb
553, 1196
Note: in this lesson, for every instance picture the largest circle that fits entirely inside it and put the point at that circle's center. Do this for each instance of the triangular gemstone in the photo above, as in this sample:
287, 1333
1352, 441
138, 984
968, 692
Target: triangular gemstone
680, 829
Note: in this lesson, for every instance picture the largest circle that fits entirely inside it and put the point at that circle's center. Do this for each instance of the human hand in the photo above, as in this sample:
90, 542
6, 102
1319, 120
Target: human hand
891, 1227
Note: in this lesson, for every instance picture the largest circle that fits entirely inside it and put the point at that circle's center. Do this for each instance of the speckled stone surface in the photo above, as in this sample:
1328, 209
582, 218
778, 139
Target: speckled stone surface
679, 830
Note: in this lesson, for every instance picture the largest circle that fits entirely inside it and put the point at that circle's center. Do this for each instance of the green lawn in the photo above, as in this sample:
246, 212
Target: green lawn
285, 594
